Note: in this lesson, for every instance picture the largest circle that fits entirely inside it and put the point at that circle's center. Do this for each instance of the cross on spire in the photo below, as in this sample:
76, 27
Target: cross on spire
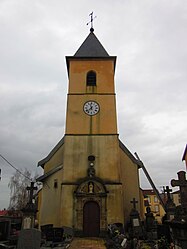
134, 202
91, 21
31, 191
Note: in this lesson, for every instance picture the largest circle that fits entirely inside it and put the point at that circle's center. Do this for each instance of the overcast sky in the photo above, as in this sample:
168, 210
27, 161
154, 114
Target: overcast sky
149, 39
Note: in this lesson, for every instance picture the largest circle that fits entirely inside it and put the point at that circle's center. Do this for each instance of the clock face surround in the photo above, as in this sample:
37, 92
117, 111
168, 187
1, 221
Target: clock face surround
91, 108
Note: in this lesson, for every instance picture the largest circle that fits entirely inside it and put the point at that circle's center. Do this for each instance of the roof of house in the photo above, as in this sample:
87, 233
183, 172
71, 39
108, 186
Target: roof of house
148, 192
3, 212
176, 192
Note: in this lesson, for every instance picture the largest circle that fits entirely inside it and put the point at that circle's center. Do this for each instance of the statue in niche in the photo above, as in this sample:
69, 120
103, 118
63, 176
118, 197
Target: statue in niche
91, 172
90, 188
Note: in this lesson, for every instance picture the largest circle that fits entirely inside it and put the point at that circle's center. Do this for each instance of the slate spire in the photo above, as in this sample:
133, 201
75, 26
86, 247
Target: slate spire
91, 47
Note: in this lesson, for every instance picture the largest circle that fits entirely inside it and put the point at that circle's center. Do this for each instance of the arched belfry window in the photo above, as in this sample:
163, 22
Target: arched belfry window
91, 78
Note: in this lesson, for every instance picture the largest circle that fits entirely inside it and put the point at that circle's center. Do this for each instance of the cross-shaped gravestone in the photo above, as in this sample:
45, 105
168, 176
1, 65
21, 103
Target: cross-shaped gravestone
182, 183
31, 189
134, 203
167, 190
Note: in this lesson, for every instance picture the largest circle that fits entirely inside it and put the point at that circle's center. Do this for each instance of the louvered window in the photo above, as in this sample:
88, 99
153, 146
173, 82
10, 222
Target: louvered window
91, 78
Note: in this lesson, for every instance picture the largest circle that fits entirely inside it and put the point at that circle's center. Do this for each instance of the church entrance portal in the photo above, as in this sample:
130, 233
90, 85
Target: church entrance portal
91, 219
90, 216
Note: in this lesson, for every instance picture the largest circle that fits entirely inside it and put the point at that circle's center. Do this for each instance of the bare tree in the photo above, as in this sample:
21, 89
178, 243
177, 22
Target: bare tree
18, 193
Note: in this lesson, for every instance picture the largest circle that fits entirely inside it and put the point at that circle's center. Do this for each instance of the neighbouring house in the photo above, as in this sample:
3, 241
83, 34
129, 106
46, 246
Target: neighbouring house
151, 200
3, 212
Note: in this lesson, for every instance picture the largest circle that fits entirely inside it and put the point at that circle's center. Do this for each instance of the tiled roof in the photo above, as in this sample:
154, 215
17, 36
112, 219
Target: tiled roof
3, 212
176, 192
148, 192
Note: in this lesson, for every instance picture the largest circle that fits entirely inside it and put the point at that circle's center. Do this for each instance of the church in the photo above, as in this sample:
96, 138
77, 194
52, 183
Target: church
90, 177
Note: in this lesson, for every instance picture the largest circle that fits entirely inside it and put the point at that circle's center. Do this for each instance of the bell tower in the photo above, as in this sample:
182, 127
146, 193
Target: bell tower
91, 107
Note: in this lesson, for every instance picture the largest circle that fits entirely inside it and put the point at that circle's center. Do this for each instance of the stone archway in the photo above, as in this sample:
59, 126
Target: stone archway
90, 194
91, 219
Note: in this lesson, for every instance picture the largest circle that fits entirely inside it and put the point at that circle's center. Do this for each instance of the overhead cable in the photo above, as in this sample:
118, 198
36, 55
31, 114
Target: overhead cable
15, 167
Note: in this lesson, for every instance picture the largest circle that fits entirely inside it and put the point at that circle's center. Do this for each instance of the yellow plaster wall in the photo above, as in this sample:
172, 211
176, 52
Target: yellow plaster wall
78, 148
130, 180
55, 161
115, 204
105, 75
111, 165
78, 122
51, 201
50, 197
67, 205
39, 199
76, 152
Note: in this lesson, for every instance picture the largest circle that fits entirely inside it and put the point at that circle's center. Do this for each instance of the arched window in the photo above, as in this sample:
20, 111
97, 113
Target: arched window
91, 78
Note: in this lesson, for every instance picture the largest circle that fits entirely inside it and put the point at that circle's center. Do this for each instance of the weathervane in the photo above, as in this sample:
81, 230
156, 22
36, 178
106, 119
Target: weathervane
91, 21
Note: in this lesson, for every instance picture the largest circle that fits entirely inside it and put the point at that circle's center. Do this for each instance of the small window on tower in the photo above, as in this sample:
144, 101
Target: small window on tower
91, 78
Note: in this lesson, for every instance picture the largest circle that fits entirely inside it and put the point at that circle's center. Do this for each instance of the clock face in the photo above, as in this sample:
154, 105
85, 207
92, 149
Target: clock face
91, 108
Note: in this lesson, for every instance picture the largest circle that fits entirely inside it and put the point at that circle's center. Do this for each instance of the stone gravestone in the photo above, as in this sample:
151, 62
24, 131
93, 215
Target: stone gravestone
151, 225
26, 224
29, 239
179, 223
44, 229
169, 206
135, 229
163, 230
5, 227
182, 183
30, 210
68, 233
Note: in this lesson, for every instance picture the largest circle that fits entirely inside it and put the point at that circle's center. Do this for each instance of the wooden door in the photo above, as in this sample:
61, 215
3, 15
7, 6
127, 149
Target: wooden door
91, 219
